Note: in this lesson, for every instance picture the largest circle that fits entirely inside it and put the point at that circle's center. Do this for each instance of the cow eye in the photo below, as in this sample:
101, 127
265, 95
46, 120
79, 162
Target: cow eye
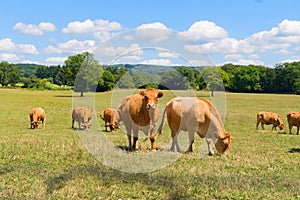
146, 98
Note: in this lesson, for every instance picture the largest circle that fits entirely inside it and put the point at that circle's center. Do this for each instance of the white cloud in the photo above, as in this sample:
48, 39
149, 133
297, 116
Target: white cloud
9, 57
105, 25
153, 32
32, 29
289, 27
103, 36
165, 62
79, 27
247, 62
72, 46
283, 52
89, 26
113, 52
167, 55
56, 60
205, 31
47, 26
8, 45
200, 62
234, 56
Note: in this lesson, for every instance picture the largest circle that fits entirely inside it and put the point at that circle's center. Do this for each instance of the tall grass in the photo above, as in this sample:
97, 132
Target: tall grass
53, 163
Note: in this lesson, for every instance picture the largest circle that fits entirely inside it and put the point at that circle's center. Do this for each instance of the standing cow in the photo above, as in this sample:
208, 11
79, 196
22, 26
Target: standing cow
37, 115
140, 112
82, 115
111, 118
293, 119
194, 114
269, 118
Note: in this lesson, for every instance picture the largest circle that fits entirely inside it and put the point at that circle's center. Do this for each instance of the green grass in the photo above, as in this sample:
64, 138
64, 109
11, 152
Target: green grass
53, 163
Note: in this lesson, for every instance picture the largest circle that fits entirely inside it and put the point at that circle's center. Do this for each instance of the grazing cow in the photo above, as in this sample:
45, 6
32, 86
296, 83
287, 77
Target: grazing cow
293, 119
111, 118
269, 118
36, 116
82, 115
140, 112
194, 114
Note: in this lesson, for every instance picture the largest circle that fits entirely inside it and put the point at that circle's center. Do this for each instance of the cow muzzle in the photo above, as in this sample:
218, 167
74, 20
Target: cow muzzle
151, 106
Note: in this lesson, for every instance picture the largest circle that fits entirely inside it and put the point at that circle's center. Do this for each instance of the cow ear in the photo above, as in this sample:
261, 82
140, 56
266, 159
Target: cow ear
159, 94
142, 93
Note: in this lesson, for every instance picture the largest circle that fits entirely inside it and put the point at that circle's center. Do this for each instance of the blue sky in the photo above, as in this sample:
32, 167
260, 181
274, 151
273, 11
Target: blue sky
168, 32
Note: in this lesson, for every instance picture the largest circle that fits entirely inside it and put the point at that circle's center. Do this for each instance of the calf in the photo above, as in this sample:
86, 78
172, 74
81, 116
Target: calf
37, 115
269, 118
293, 119
82, 115
111, 118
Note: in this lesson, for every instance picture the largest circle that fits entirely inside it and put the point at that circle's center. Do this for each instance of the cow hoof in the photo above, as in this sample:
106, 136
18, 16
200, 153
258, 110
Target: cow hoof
210, 153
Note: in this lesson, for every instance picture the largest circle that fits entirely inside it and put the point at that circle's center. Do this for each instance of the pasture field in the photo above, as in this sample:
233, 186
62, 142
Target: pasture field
53, 163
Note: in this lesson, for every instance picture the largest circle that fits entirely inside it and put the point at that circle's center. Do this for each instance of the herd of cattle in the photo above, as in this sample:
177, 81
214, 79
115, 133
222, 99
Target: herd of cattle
192, 114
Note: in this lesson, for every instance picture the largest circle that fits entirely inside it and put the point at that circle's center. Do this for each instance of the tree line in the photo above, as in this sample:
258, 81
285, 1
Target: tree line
83, 73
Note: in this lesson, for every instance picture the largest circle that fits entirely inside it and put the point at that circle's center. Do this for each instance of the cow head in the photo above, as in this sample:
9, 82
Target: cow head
281, 127
34, 124
150, 97
86, 115
223, 143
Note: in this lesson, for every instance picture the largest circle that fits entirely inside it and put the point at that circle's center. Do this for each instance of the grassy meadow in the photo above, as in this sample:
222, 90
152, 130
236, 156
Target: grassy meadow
53, 163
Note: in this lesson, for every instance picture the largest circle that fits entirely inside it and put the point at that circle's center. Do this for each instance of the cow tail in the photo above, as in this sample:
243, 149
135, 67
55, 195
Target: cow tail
159, 130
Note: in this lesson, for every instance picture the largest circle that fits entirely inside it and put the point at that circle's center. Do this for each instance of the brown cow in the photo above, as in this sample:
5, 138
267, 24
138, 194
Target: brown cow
140, 112
293, 119
269, 118
111, 118
36, 116
82, 115
194, 114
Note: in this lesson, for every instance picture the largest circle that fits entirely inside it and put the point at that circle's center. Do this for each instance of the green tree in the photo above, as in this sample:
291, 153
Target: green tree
106, 82
126, 81
246, 79
88, 72
8, 74
213, 78
173, 80
189, 74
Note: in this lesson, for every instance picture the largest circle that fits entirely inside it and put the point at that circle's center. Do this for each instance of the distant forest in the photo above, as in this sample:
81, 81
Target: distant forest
83, 73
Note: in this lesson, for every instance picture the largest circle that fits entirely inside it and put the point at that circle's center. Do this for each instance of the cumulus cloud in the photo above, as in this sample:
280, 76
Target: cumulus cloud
32, 29
89, 26
153, 32
8, 45
205, 31
9, 57
56, 60
281, 37
165, 62
120, 51
72, 46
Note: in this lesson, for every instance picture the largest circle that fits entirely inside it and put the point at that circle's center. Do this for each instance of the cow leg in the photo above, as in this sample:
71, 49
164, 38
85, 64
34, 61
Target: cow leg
191, 141
135, 132
128, 130
297, 130
152, 139
290, 128
257, 124
72, 122
210, 149
79, 125
262, 125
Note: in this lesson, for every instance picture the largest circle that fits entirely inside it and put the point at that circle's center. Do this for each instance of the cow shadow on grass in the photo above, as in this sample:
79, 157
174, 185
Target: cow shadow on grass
110, 177
294, 150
